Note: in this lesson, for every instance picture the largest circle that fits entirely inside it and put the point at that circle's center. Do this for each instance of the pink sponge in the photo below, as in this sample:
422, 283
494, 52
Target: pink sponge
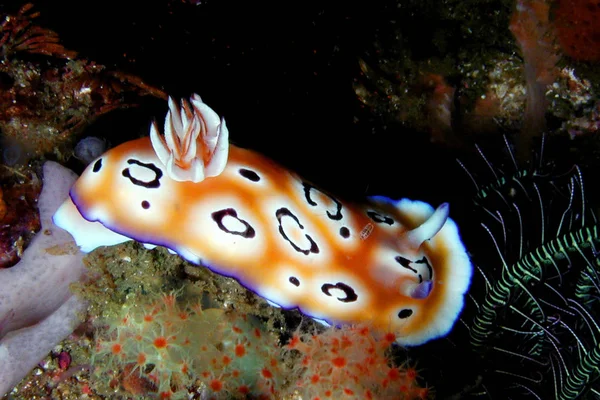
37, 309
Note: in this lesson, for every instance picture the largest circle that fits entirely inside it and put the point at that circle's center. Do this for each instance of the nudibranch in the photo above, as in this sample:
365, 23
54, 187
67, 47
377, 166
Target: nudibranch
399, 266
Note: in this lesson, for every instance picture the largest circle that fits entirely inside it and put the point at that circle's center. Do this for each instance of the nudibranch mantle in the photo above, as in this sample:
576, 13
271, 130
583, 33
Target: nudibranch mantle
397, 265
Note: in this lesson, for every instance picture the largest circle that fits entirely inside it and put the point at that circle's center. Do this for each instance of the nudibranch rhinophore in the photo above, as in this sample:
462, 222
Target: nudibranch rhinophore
399, 266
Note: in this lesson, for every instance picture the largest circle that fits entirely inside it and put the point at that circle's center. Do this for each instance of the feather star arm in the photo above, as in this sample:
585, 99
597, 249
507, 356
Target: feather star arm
195, 144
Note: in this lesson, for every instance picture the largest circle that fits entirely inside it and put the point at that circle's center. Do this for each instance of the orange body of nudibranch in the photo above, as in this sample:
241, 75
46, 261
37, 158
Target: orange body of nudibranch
399, 266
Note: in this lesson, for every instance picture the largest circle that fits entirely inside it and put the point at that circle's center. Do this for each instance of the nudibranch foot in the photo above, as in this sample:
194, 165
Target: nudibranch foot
195, 145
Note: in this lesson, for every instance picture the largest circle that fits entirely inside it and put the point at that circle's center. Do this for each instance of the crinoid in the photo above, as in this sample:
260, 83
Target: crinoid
532, 317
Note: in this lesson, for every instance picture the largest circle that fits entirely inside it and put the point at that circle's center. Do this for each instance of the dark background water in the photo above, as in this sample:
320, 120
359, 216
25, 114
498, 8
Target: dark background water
280, 72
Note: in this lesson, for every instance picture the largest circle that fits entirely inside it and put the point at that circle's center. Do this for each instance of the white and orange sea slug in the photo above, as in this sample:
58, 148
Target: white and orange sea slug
398, 265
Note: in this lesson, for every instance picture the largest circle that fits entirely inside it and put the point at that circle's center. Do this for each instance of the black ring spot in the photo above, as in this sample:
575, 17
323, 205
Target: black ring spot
405, 262
338, 212
380, 218
284, 212
426, 262
294, 281
153, 184
344, 232
97, 165
249, 174
407, 312
350, 293
218, 216
145, 205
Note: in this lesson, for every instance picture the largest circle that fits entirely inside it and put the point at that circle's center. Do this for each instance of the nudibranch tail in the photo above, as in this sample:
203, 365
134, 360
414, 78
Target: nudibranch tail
195, 145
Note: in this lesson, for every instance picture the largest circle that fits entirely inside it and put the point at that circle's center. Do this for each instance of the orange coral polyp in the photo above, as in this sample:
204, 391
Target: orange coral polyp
116, 349
160, 342
266, 373
216, 385
339, 362
240, 350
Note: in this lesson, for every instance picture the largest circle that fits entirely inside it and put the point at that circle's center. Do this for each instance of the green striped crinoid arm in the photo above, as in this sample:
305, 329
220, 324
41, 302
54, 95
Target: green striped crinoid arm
585, 372
515, 278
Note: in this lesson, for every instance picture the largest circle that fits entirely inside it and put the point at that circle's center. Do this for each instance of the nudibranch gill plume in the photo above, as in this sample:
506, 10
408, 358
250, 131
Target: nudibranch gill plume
397, 265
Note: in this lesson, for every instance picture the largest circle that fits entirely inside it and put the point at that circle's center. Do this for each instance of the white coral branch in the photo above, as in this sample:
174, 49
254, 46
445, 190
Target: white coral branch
195, 144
